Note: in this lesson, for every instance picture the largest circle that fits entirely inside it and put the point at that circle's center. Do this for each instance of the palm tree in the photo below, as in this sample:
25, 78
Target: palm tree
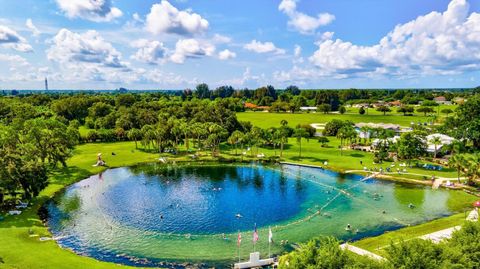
215, 135
276, 139
436, 141
256, 135
299, 134
283, 138
134, 134
471, 168
347, 132
365, 130
235, 138
186, 130
176, 130
457, 161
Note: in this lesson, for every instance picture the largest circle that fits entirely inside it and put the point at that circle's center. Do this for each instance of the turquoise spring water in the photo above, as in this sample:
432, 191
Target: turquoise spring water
157, 215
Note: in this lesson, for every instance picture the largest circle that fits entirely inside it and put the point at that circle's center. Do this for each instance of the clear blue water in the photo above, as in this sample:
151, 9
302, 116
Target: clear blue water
198, 200
149, 214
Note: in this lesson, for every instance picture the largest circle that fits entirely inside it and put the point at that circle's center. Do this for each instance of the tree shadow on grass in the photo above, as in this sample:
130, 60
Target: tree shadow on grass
68, 175
312, 159
59, 178
357, 155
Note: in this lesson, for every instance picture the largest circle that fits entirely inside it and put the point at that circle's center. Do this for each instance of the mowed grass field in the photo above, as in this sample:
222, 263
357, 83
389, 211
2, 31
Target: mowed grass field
266, 119
20, 250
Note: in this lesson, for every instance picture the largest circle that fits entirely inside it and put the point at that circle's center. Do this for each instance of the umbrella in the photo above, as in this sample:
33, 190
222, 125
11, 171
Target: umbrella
99, 154
476, 204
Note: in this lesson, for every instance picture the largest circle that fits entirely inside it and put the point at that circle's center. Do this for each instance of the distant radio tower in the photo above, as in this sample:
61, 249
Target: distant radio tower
46, 84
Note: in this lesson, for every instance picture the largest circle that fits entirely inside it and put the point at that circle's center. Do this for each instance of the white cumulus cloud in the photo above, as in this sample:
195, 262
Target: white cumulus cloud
266, 47
88, 47
191, 48
165, 18
11, 39
151, 52
301, 22
226, 54
437, 43
93, 10
32, 27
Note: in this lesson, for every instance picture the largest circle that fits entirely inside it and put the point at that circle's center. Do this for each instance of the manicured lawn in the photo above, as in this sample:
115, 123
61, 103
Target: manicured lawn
19, 250
379, 243
313, 153
266, 120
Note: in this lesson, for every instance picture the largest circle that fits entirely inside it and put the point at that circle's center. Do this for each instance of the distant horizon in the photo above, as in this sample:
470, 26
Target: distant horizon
193, 89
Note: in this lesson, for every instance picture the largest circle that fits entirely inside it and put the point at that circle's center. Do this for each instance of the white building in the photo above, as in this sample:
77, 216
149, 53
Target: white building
444, 140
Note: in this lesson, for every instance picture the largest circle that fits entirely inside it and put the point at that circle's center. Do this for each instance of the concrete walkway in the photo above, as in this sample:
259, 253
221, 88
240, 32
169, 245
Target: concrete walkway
437, 237
361, 252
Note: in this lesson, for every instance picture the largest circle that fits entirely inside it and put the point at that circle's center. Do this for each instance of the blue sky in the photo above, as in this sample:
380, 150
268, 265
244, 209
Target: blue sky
175, 44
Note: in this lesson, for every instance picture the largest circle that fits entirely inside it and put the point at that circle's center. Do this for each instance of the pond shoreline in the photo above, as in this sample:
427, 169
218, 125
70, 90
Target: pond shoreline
216, 163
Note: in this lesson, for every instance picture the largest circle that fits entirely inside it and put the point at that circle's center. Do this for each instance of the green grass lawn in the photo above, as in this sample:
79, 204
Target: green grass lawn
314, 154
266, 120
19, 250
379, 243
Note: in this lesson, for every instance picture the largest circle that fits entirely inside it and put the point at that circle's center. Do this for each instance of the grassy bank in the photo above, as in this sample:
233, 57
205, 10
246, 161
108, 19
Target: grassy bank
18, 249
379, 243
259, 118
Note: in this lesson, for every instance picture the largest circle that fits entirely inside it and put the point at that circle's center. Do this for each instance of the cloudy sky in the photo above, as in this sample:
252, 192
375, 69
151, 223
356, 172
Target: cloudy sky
174, 44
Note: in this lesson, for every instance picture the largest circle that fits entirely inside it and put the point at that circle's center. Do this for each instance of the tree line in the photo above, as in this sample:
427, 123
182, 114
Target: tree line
460, 251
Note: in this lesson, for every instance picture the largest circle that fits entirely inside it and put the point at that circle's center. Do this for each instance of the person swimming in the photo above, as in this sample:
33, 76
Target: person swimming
348, 228
238, 216
412, 206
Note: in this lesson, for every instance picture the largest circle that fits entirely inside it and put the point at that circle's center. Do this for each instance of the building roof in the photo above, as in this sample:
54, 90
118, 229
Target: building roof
440, 98
378, 125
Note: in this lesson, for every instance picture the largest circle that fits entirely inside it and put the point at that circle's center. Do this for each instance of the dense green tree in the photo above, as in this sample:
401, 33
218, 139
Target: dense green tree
416, 254
467, 121
235, 139
346, 132
383, 109
332, 127
293, 90
411, 146
324, 108
447, 111
99, 109
425, 110
323, 140
216, 134
325, 253
134, 135
361, 111
126, 100
202, 91
405, 110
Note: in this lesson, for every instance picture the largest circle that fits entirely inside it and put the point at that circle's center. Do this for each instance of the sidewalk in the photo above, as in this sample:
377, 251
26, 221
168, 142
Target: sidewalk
361, 252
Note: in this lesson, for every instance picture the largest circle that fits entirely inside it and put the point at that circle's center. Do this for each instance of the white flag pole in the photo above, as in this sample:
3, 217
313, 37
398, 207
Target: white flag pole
269, 241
